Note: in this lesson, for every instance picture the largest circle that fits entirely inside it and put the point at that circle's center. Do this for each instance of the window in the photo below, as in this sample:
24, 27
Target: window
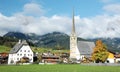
28, 50
20, 54
28, 54
24, 50
17, 58
17, 54
20, 50
24, 54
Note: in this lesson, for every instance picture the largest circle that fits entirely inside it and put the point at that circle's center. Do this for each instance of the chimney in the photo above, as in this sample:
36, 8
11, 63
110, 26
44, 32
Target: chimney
19, 41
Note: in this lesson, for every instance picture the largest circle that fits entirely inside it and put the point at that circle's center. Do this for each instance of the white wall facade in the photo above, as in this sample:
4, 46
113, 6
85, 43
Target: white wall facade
74, 52
25, 51
78, 57
111, 60
117, 60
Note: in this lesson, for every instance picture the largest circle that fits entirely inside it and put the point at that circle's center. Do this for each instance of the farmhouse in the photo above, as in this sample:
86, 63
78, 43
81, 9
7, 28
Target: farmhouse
111, 58
19, 51
117, 58
3, 58
49, 58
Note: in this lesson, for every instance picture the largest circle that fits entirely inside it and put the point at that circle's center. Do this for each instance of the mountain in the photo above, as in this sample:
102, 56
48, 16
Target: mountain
17, 35
53, 40
7, 41
113, 44
57, 40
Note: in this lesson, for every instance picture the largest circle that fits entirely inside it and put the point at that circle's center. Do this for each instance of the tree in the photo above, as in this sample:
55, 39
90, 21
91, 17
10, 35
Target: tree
100, 53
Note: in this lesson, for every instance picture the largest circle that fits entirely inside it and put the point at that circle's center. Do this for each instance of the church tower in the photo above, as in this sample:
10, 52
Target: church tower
74, 52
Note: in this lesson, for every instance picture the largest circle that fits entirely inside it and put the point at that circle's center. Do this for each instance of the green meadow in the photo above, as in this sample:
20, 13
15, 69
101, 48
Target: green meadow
59, 68
4, 49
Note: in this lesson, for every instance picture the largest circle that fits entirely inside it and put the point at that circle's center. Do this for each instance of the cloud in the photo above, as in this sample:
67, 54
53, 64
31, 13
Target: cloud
38, 25
112, 8
97, 26
32, 9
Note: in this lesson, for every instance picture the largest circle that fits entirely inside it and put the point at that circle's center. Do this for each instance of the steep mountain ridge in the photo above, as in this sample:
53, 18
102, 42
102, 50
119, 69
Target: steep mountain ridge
55, 39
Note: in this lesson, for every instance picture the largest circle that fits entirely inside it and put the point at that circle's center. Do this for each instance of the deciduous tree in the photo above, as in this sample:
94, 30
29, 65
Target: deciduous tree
100, 53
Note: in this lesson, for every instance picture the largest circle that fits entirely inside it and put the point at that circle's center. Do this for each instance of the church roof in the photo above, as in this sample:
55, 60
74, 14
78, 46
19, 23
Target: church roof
86, 48
18, 45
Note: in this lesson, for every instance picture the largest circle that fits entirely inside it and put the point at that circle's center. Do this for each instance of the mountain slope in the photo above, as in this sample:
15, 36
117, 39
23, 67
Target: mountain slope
113, 44
57, 40
50, 40
7, 41
17, 35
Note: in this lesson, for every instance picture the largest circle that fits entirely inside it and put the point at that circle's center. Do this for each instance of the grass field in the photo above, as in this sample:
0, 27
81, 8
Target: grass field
35, 49
59, 68
4, 49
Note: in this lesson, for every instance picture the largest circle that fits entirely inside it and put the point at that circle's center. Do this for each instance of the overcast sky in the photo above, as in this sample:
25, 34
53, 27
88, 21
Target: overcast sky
93, 18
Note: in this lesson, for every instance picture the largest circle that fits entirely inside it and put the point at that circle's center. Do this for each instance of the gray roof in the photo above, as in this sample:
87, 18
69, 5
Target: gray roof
86, 48
18, 45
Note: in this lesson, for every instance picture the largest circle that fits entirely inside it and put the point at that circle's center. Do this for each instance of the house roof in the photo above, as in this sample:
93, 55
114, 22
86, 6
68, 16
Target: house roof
86, 48
18, 45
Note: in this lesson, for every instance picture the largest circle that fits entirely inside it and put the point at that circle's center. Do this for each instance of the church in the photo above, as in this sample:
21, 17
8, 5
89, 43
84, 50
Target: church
79, 49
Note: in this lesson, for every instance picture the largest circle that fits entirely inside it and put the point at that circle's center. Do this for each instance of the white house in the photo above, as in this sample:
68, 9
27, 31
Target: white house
111, 58
20, 50
117, 58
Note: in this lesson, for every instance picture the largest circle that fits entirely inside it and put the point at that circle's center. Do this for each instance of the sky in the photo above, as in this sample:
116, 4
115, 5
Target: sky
93, 18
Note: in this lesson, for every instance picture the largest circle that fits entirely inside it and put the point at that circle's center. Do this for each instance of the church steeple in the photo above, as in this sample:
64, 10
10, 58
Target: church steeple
74, 52
73, 23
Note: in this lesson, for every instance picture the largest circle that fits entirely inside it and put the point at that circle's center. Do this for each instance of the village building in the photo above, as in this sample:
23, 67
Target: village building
19, 51
3, 58
111, 58
117, 58
79, 49
50, 58
85, 48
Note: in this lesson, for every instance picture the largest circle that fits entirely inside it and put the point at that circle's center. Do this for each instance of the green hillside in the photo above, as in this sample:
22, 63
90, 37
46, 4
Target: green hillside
49, 40
54, 40
4, 49
34, 49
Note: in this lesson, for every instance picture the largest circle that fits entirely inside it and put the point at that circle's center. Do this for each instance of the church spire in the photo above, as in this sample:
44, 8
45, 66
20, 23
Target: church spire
73, 25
